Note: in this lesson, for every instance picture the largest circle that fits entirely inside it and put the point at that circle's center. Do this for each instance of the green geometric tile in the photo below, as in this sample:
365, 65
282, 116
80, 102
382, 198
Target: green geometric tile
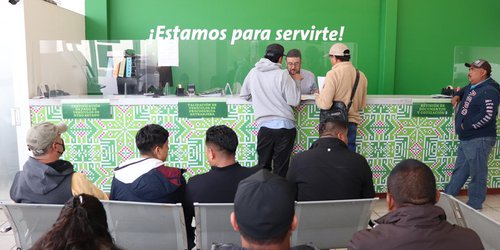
387, 134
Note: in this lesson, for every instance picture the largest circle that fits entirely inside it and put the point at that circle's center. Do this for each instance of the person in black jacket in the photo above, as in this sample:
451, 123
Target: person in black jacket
329, 170
220, 183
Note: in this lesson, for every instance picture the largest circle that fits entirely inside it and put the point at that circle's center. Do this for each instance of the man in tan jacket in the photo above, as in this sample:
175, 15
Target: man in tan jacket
46, 178
338, 86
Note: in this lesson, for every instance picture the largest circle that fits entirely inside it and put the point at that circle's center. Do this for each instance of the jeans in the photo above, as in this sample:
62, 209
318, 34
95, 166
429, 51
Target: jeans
274, 147
472, 160
351, 136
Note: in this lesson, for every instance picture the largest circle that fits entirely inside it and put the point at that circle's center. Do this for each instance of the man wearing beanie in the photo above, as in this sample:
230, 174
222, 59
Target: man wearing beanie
45, 178
264, 213
273, 92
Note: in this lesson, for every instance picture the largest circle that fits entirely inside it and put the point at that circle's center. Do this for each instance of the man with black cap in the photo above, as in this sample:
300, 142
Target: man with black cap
264, 213
46, 178
272, 92
338, 86
305, 77
480, 63
476, 127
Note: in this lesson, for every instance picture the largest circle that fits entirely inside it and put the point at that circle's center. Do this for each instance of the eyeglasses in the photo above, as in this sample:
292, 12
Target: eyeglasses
293, 64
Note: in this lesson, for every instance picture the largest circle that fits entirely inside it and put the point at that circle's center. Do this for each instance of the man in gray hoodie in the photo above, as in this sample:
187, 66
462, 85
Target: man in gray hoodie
272, 92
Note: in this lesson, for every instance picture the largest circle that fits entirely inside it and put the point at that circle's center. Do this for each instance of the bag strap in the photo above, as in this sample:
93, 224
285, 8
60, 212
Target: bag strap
353, 89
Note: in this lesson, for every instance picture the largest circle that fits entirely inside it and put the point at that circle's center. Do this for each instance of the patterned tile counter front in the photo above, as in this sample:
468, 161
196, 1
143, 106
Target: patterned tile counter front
388, 134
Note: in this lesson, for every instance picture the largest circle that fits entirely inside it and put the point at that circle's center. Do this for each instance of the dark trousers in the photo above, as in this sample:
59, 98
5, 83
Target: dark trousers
352, 128
275, 146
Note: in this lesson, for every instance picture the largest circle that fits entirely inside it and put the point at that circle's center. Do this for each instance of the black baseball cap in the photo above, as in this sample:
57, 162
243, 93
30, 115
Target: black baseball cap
480, 64
264, 206
275, 50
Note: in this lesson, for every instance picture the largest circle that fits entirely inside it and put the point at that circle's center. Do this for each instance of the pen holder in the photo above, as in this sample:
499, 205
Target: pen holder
179, 91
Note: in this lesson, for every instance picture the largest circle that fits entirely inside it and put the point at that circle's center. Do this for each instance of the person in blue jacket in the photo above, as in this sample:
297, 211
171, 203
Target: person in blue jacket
475, 125
147, 179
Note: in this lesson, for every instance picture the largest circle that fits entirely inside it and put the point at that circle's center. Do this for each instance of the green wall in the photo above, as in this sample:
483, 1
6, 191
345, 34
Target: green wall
404, 47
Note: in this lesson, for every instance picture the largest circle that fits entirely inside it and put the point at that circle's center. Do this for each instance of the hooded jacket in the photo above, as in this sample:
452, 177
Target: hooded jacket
272, 92
477, 112
52, 183
40, 183
147, 180
416, 227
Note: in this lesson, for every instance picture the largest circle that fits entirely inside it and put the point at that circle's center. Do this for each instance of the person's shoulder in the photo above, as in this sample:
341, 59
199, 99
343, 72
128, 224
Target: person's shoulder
367, 238
306, 72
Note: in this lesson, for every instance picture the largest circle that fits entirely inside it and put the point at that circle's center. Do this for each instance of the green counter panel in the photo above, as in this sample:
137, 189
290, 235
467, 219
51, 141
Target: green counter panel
387, 135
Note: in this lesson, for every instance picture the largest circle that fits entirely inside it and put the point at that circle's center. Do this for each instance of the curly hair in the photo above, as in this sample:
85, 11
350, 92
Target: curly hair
82, 224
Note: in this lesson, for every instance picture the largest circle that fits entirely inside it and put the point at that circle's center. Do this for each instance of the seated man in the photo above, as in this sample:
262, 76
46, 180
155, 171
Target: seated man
147, 179
413, 221
264, 213
45, 178
329, 170
220, 183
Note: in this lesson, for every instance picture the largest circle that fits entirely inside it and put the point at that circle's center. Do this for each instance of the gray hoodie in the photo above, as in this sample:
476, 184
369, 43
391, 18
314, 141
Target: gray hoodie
41, 183
272, 92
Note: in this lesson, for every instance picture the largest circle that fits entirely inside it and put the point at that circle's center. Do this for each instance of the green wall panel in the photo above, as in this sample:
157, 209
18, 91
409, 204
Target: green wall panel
386, 135
403, 46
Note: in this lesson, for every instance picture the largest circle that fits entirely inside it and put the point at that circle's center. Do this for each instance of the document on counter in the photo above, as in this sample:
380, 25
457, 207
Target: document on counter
321, 82
168, 52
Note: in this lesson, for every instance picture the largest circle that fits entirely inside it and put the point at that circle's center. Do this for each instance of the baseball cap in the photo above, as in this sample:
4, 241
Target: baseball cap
264, 206
43, 134
275, 50
339, 49
480, 64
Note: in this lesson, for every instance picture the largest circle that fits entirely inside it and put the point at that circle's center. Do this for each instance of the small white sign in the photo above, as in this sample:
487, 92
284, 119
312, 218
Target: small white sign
168, 52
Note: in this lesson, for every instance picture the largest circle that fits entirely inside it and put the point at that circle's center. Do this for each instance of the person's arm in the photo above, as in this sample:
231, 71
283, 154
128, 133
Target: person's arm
486, 114
314, 87
245, 92
81, 185
368, 190
291, 176
365, 93
457, 96
324, 100
290, 89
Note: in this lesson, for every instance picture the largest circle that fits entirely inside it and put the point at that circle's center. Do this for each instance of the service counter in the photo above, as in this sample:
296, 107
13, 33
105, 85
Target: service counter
393, 128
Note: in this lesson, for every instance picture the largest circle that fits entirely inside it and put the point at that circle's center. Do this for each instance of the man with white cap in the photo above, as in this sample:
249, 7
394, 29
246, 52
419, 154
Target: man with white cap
476, 127
45, 178
338, 86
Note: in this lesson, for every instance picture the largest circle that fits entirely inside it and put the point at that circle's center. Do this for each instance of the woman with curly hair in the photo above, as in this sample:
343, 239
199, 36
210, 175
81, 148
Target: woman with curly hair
82, 224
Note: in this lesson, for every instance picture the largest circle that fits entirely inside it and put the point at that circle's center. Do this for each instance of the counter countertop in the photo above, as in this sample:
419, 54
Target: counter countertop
149, 100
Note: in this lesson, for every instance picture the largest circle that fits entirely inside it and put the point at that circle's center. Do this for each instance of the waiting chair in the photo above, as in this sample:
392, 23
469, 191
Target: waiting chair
30, 221
451, 208
213, 224
330, 224
487, 229
139, 225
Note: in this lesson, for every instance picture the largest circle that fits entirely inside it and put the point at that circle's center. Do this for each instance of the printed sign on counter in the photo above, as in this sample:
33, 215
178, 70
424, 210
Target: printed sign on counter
432, 109
202, 109
78, 110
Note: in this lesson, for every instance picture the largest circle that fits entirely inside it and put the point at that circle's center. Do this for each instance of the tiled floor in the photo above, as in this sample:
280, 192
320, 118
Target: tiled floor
491, 208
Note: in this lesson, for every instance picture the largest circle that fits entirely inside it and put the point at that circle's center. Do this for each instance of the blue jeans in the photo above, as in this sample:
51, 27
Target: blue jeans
351, 136
472, 160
